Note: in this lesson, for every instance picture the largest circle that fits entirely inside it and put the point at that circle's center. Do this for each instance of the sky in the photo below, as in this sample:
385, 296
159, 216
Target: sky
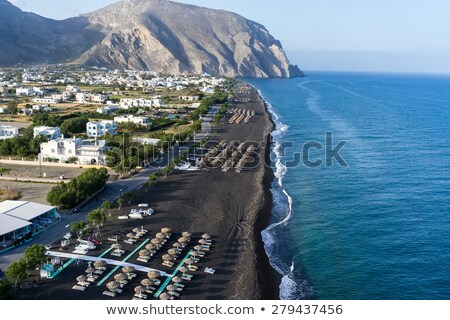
344, 35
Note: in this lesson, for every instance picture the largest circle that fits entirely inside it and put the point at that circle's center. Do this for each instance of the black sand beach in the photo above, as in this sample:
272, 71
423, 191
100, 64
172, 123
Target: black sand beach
232, 207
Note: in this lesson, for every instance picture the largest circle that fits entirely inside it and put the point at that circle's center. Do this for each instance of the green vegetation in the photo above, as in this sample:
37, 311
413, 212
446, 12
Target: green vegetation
45, 119
97, 218
74, 125
120, 202
66, 196
20, 270
5, 290
22, 146
218, 97
79, 227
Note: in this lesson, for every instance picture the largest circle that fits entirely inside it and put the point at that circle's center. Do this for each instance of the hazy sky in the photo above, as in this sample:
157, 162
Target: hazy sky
376, 35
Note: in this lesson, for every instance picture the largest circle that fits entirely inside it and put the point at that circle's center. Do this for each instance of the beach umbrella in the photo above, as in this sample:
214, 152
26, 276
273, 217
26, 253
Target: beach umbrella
156, 241
168, 257
202, 241
131, 235
139, 290
82, 278
166, 230
113, 285
100, 264
90, 271
120, 277
128, 269
171, 287
183, 269
116, 246
193, 254
172, 252
147, 282
186, 234
150, 246
206, 236
161, 235
198, 248
183, 240
177, 245
189, 262
136, 230
164, 296
176, 279
144, 253
153, 274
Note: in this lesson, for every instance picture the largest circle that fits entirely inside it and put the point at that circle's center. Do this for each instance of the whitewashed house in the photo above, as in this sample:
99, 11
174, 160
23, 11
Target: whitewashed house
143, 121
109, 109
100, 128
8, 132
49, 132
87, 151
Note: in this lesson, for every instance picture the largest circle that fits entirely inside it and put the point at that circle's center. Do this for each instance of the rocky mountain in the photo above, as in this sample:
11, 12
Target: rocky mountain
158, 35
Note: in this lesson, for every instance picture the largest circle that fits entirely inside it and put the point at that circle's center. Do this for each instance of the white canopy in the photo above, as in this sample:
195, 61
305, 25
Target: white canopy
9, 224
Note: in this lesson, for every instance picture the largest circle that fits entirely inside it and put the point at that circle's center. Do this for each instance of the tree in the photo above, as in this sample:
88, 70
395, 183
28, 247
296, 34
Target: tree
107, 205
120, 202
72, 160
17, 272
74, 125
12, 107
97, 218
129, 196
35, 256
79, 227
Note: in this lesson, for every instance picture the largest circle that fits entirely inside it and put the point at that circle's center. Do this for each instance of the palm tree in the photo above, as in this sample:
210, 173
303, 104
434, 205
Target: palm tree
120, 202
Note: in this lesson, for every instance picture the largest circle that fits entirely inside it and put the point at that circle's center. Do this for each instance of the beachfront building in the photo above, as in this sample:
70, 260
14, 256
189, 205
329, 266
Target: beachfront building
49, 132
19, 220
100, 128
142, 121
8, 132
90, 151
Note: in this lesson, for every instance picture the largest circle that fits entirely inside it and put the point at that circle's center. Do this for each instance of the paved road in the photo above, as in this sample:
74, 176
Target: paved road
113, 191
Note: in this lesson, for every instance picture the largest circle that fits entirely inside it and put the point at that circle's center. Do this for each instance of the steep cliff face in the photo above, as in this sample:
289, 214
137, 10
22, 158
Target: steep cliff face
157, 35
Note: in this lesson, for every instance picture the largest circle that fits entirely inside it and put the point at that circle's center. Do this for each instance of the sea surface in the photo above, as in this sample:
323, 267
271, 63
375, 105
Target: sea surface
378, 228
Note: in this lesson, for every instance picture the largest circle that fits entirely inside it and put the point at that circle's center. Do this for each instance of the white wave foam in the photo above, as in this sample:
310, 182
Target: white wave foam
288, 286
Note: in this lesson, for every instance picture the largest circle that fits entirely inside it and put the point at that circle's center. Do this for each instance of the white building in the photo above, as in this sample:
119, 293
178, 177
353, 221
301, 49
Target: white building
147, 141
143, 121
72, 89
50, 132
128, 103
98, 129
87, 151
8, 132
90, 98
42, 108
108, 109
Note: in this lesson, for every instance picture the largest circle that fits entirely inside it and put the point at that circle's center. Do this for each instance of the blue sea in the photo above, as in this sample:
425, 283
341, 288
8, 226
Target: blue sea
378, 228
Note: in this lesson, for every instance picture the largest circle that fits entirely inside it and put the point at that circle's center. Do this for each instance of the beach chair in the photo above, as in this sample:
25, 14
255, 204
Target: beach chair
168, 264
109, 293
186, 277
84, 283
140, 296
174, 294
143, 259
130, 241
78, 288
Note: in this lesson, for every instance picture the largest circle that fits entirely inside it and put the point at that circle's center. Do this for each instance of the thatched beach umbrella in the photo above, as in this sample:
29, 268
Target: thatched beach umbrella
136, 230
164, 296
173, 252
82, 278
120, 277
171, 287
166, 230
128, 269
116, 246
144, 253
168, 257
90, 270
113, 285
156, 241
198, 249
147, 283
202, 241
139, 290
131, 235
183, 240
189, 262
177, 245
150, 246
153, 274
100, 264
193, 254
176, 279
161, 235
206, 236
186, 234
183, 269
